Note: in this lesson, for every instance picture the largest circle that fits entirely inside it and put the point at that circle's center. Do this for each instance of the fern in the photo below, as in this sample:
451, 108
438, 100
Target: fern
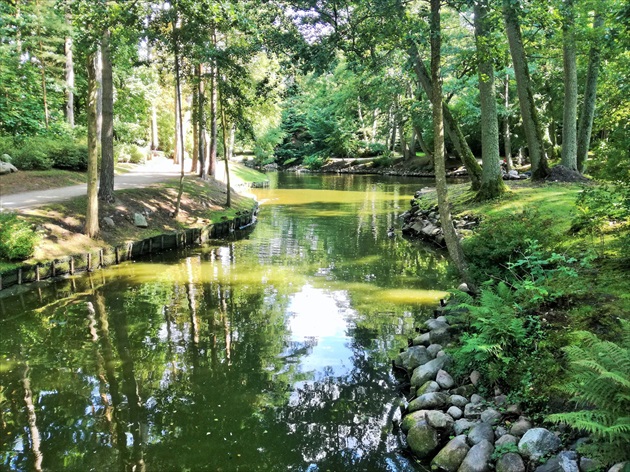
600, 385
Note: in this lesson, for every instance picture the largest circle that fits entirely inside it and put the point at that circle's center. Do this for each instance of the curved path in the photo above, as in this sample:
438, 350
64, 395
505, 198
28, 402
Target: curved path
156, 170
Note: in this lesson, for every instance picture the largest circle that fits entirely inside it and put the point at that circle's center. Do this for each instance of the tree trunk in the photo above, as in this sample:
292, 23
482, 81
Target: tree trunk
106, 189
507, 137
450, 236
178, 124
585, 127
423, 144
99, 95
195, 127
228, 202
91, 216
452, 127
178, 94
491, 179
201, 95
69, 78
212, 158
44, 88
155, 144
531, 123
569, 119
232, 142
412, 143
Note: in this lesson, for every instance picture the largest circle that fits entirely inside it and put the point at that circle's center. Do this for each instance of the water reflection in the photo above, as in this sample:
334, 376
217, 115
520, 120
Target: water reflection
269, 353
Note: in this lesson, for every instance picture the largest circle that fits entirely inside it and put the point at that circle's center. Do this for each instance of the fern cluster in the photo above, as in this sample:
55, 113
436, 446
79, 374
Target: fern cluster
600, 386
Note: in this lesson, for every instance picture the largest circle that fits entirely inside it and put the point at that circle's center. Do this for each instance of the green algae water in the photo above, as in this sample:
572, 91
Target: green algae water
270, 352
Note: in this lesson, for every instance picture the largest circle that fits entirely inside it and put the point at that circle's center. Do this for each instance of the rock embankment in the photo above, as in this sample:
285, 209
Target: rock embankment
452, 427
425, 223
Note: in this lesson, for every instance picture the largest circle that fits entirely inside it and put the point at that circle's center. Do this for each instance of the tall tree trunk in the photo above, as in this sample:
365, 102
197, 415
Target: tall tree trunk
91, 216
491, 179
44, 88
155, 143
228, 202
201, 95
212, 157
374, 125
585, 127
69, 78
178, 93
569, 119
412, 143
450, 236
232, 141
106, 189
195, 127
452, 127
178, 124
99, 94
423, 145
507, 137
531, 123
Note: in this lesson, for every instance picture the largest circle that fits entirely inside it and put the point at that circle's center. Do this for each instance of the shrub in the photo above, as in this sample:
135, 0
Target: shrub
32, 154
599, 382
498, 240
70, 155
129, 153
314, 162
43, 152
17, 239
383, 161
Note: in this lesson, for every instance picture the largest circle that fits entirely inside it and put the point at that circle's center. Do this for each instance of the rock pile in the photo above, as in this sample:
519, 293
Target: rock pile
457, 430
425, 224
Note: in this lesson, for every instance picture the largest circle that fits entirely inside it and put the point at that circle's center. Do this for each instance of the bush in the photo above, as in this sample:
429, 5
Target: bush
599, 382
129, 153
383, 161
70, 155
498, 240
42, 153
17, 239
314, 162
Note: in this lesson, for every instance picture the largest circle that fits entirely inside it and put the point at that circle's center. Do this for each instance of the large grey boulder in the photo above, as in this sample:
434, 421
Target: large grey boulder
491, 416
444, 379
427, 371
440, 420
481, 432
473, 410
520, 427
506, 439
411, 419
413, 357
428, 387
440, 335
423, 440
537, 443
463, 425
510, 462
428, 401
433, 350
566, 461
478, 458
433, 323
455, 412
452, 455
422, 340
7, 168
458, 400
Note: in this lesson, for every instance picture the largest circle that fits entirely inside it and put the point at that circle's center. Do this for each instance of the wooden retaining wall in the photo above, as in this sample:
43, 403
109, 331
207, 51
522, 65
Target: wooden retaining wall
98, 259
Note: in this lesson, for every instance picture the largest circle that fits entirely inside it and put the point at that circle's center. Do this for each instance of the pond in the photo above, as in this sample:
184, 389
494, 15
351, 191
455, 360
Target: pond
270, 352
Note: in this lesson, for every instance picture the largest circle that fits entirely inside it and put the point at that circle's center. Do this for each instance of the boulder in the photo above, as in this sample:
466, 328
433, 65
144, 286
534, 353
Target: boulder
433, 323
444, 379
476, 399
427, 371
566, 461
620, 467
589, 465
506, 439
475, 377
491, 416
6, 158
7, 168
422, 340
439, 420
500, 431
464, 390
414, 357
481, 432
478, 458
537, 443
521, 427
411, 419
428, 387
458, 400
433, 349
510, 462
463, 425
139, 220
473, 410
452, 455
455, 412
428, 401
109, 222
440, 336
514, 410
422, 439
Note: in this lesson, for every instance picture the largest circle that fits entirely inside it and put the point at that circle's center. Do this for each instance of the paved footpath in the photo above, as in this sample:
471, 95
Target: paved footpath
156, 170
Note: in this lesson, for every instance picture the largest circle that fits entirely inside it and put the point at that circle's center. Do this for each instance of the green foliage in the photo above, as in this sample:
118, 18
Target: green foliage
383, 161
503, 449
498, 240
599, 383
314, 162
17, 239
129, 153
602, 204
44, 152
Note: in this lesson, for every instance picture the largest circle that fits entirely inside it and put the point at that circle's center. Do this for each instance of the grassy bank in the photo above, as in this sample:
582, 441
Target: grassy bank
60, 225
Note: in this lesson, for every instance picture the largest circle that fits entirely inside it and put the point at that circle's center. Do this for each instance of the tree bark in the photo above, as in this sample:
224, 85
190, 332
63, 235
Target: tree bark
507, 136
491, 179
91, 217
178, 93
531, 123
44, 88
450, 236
69, 78
212, 157
99, 95
452, 127
155, 143
228, 202
106, 188
201, 96
178, 124
585, 126
195, 128
569, 119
